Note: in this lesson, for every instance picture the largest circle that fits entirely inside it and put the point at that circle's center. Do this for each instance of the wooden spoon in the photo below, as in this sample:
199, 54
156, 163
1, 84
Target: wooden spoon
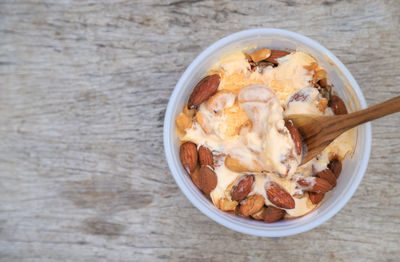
319, 131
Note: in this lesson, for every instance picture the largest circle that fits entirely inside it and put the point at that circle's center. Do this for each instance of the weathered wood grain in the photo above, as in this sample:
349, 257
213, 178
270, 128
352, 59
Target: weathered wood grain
83, 90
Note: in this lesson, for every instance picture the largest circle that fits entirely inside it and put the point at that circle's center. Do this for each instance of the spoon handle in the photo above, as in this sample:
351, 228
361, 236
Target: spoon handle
377, 111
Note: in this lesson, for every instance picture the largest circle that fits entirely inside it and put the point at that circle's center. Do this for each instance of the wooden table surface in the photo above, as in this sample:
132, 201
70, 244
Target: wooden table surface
83, 90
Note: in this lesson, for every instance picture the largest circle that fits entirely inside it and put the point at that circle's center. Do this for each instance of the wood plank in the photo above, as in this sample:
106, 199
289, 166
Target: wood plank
84, 87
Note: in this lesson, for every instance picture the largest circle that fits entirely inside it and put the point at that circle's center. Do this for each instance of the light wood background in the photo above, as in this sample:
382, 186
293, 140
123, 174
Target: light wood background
83, 90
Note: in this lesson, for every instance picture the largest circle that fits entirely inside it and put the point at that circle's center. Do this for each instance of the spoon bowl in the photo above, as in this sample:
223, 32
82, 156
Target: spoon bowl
318, 132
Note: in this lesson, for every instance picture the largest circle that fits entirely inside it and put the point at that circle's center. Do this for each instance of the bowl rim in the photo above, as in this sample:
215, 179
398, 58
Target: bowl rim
226, 219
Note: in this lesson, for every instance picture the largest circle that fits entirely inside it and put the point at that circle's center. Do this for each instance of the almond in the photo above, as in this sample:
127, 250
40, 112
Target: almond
235, 165
328, 176
294, 133
273, 214
335, 166
226, 204
242, 188
195, 176
204, 122
251, 205
220, 100
207, 179
315, 184
260, 55
279, 196
338, 106
248, 57
188, 155
316, 197
276, 54
205, 157
260, 214
203, 90
319, 74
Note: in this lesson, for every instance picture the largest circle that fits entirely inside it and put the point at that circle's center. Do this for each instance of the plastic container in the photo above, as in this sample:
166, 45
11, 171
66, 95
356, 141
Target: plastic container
353, 167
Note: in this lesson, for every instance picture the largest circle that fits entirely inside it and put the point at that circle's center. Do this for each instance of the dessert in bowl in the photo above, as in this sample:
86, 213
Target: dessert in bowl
228, 134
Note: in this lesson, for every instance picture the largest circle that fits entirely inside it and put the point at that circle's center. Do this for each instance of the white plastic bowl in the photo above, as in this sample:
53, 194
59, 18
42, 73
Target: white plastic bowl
353, 168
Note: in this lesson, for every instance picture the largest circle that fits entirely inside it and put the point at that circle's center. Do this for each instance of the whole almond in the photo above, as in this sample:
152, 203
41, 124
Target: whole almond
338, 106
315, 197
252, 205
188, 155
328, 176
335, 166
205, 157
279, 196
242, 188
207, 179
273, 214
276, 54
203, 90
260, 55
294, 133
315, 184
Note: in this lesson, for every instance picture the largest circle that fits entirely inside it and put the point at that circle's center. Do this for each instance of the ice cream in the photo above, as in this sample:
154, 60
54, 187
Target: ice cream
243, 125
